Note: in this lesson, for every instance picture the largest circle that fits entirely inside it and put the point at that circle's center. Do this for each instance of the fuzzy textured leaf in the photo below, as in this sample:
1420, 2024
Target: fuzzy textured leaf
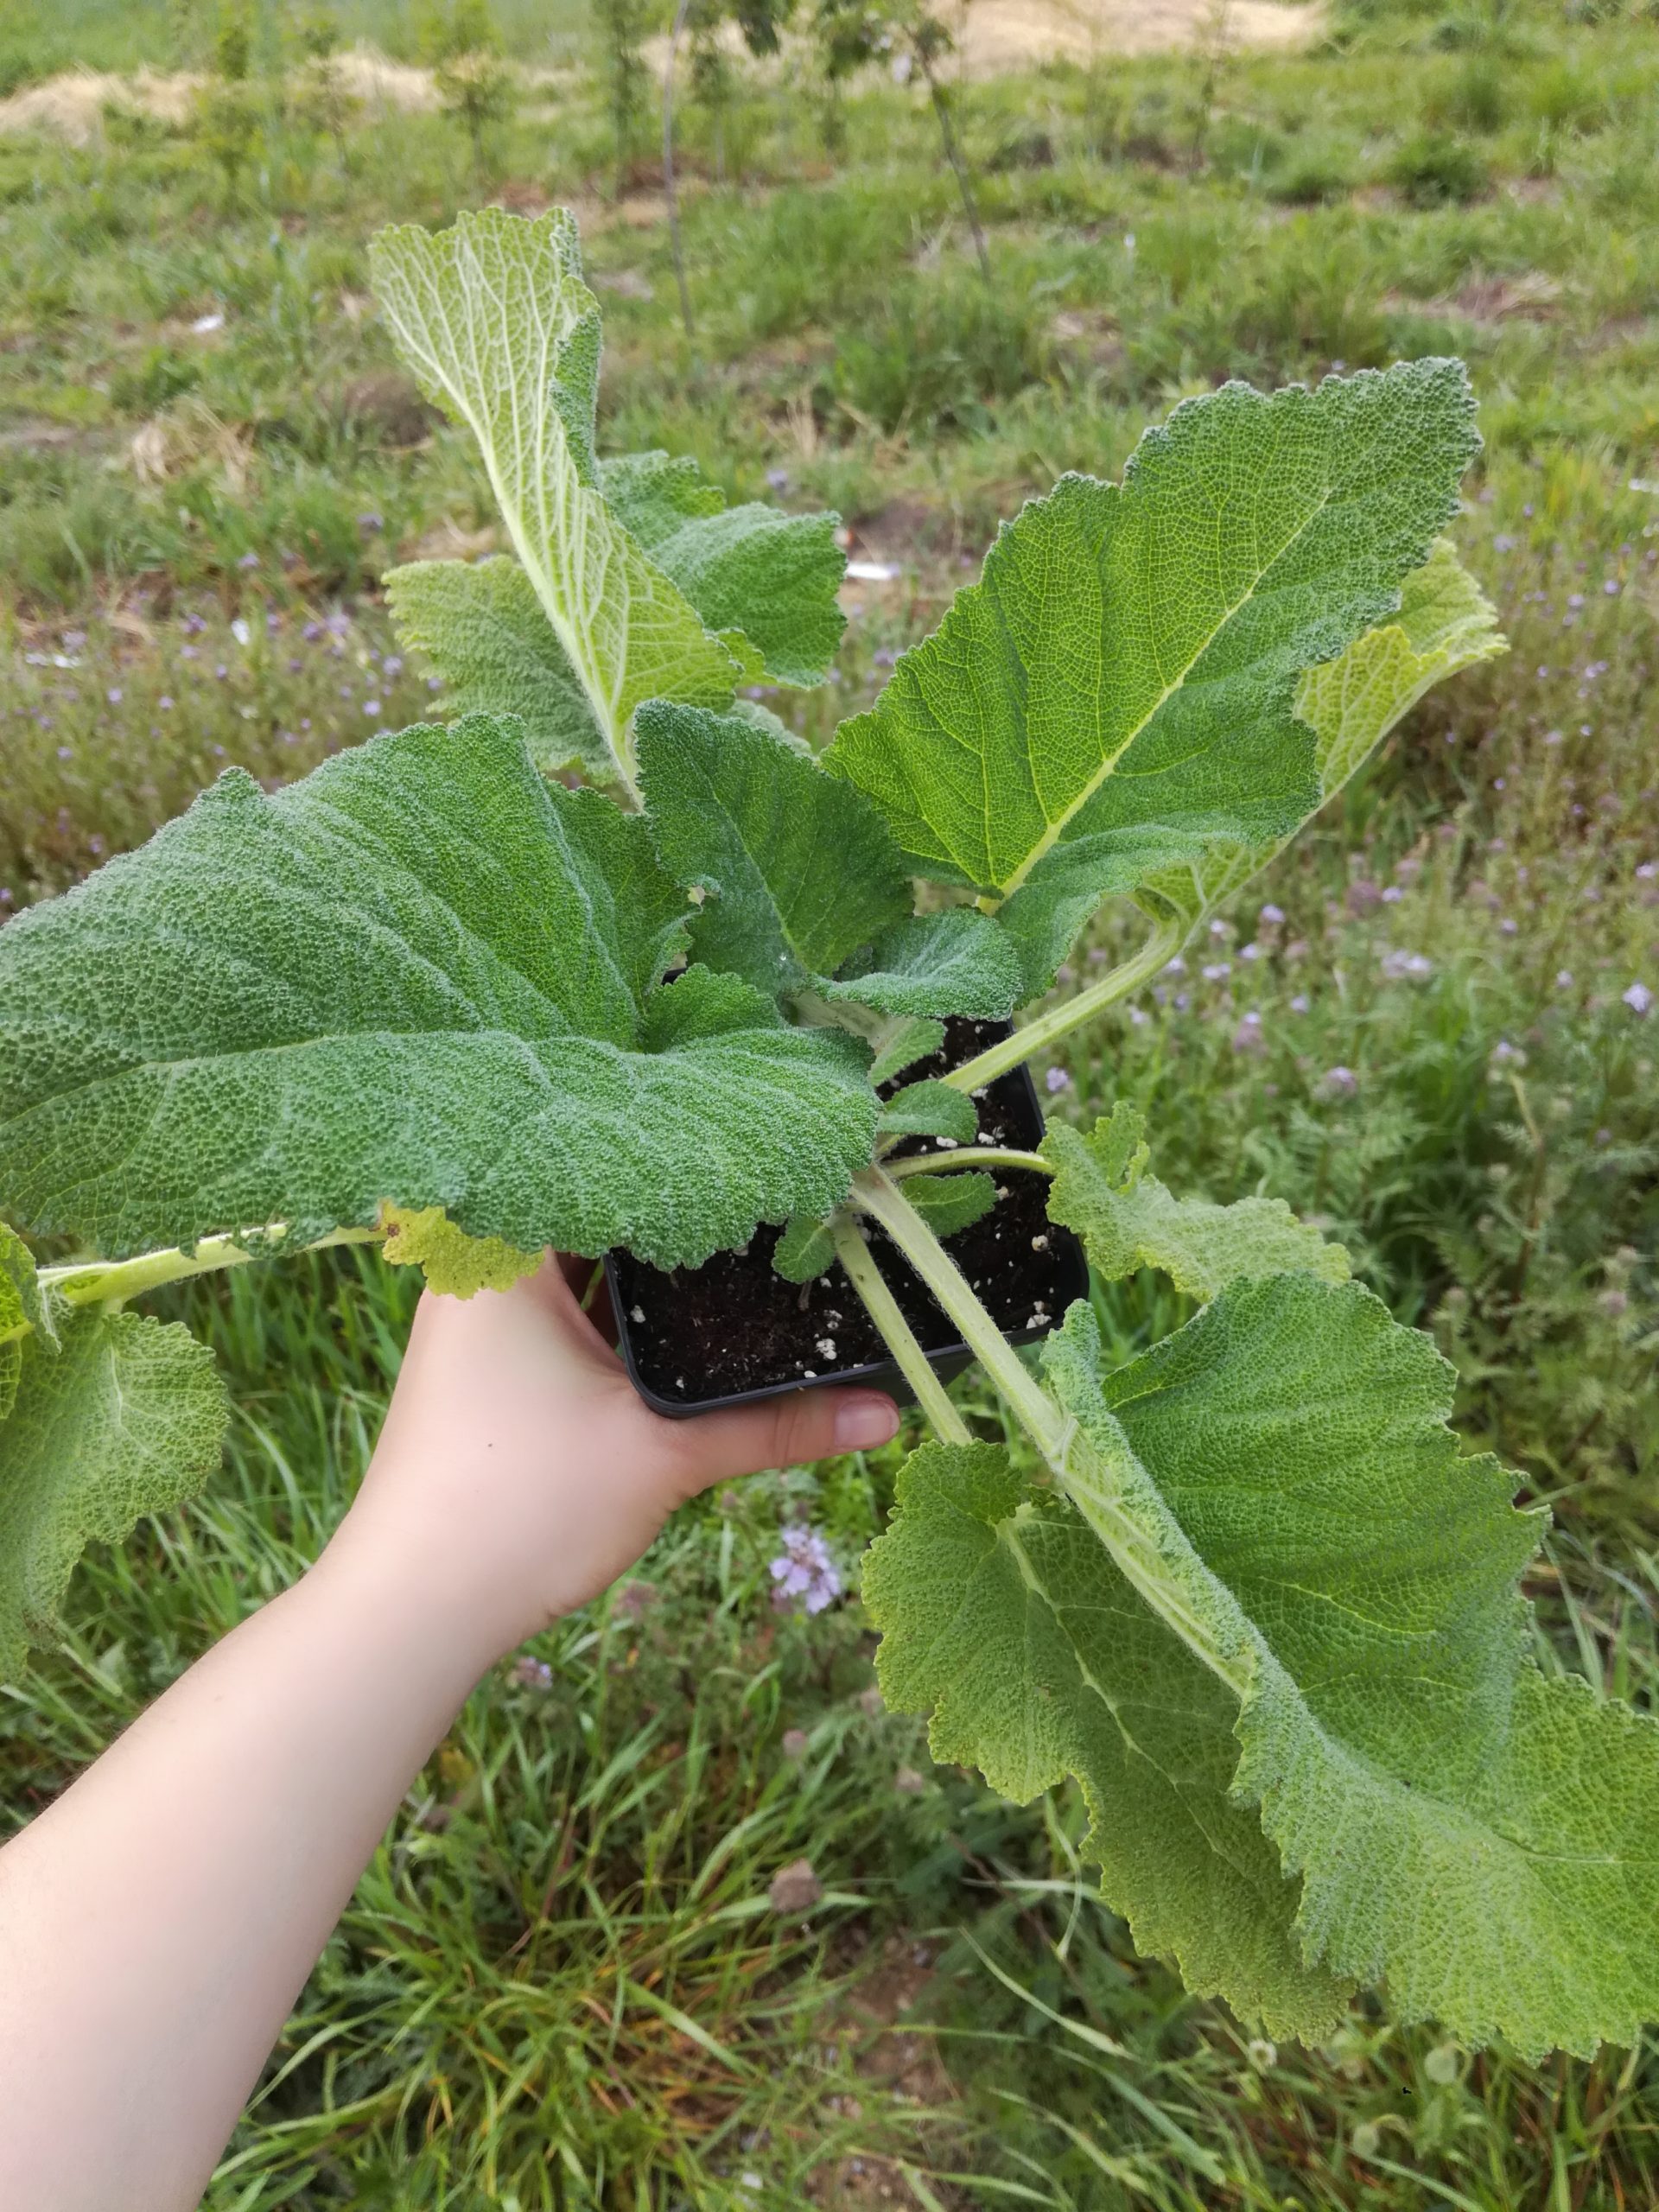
805, 1250
798, 868
423, 975
1279, 1481
1002, 1612
115, 1416
950, 1202
1118, 690
954, 962
1127, 1219
494, 321
931, 1109
764, 582
482, 628
453, 1264
1445, 623
905, 1041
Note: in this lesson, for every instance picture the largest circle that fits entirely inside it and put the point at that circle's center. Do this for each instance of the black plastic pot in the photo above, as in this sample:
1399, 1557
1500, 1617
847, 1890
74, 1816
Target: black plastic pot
1052, 1258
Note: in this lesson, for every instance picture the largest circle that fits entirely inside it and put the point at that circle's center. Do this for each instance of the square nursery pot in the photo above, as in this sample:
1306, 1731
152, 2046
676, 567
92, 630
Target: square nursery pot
734, 1330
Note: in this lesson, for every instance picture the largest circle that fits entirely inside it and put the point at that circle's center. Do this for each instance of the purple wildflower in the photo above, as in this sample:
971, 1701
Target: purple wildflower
1271, 916
778, 479
1341, 1083
164, 703
532, 1673
371, 706
1638, 998
249, 561
113, 695
1057, 1079
369, 524
1300, 1003
803, 1570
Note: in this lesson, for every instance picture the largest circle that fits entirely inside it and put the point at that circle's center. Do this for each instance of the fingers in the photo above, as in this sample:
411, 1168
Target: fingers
782, 1432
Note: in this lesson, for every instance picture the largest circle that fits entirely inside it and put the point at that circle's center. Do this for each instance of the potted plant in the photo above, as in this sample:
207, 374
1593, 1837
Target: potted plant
1247, 1587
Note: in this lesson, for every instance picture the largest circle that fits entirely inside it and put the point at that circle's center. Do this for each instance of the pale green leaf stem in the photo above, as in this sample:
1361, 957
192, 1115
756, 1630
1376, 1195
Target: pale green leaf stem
939, 1163
883, 1308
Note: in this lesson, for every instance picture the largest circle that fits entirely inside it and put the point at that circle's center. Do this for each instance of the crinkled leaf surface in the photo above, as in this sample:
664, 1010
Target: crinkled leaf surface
1279, 1481
953, 962
22, 1309
117, 1416
494, 321
1445, 623
905, 1040
801, 878
453, 1264
931, 1109
805, 1250
798, 868
1118, 690
1000, 1611
764, 582
481, 624
422, 976
948, 1203
1127, 1219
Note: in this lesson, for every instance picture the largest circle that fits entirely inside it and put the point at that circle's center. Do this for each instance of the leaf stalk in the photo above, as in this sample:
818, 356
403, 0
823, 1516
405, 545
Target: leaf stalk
996, 1059
111, 1283
882, 1308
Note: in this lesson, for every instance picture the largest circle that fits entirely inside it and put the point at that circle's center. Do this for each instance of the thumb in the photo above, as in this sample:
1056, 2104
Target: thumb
785, 1431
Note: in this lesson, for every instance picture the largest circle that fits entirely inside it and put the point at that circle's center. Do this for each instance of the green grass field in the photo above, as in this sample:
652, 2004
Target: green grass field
563, 1983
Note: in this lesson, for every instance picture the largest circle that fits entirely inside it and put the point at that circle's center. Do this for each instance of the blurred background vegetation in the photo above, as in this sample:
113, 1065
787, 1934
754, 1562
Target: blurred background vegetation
573, 1977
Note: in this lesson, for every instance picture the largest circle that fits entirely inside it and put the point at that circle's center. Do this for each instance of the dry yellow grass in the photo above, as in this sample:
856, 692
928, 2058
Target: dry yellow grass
994, 36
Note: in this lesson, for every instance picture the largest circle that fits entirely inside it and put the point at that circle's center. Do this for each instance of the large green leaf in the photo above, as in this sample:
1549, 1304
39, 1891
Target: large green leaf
494, 319
422, 976
1127, 1219
116, 1415
1117, 692
798, 867
22, 1309
483, 625
802, 879
1445, 623
766, 582
638, 581
1279, 1482
1002, 1612
952, 962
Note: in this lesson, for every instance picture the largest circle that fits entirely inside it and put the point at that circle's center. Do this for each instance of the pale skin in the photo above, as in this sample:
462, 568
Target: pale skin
158, 1921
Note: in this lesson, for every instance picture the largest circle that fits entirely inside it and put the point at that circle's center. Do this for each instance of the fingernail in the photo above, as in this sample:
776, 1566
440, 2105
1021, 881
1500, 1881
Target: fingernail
865, 1420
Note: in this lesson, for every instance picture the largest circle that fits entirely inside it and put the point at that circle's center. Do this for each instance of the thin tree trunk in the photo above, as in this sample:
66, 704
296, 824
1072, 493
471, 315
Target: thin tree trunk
671, 195
953, 155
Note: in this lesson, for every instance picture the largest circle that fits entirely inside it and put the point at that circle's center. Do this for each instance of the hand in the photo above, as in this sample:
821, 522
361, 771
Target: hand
519, 1473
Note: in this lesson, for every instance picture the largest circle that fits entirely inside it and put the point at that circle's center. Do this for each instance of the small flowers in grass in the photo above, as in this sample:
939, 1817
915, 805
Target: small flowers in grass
1057, 1079
804, 1571
1638, 998
532, 1673
1341, 1082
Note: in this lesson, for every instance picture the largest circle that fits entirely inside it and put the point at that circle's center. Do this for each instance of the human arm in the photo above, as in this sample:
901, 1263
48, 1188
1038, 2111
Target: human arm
158, 1921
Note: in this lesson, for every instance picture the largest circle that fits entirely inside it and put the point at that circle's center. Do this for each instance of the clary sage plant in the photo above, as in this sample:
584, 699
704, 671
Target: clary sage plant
1248, 1588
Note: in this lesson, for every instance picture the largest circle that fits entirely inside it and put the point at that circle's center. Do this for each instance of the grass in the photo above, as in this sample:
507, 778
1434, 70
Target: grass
563, 1983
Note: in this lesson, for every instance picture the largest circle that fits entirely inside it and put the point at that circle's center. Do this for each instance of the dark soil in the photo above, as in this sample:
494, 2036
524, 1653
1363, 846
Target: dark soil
735, 1325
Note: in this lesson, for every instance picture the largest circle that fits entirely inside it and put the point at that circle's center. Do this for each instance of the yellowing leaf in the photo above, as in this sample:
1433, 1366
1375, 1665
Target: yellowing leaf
454, 1264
